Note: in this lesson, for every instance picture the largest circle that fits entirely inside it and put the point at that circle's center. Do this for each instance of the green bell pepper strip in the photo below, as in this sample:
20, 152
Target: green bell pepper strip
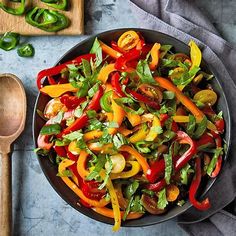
58, 4
26, 50
50, 129
47, 20
9, 41
105, 101
14, 11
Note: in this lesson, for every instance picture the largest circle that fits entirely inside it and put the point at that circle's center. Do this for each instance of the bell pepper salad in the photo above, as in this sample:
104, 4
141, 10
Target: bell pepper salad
132, 127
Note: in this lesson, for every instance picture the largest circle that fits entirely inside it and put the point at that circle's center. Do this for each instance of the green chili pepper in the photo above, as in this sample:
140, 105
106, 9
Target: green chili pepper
57, 4
9, 41
50, 129
214, 159
26, 50
105, 101
47, 20
14, 11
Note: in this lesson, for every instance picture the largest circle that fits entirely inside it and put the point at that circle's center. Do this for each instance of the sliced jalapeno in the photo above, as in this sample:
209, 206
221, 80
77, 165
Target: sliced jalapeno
26, 50
9, 41
105, 101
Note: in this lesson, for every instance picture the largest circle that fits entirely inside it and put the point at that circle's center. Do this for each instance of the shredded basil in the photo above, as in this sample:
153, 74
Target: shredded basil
191, 125
50, 129
168, 166
144, 72
96, 49
162, 202
214, 159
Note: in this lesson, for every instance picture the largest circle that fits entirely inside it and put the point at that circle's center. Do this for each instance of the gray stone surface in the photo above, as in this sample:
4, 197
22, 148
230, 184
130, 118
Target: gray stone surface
37, 209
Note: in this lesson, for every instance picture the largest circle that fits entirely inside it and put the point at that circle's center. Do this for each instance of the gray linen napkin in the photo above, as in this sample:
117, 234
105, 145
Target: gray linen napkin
184, 21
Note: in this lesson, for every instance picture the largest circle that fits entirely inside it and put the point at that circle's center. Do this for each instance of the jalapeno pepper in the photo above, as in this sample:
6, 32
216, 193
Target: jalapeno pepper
14, 11
26, 50
57, 69
53, 21
57, 4
205, 204
105, 101
9, 41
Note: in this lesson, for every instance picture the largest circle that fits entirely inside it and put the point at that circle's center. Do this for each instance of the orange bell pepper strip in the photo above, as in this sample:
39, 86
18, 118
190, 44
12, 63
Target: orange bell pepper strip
134, 119
118, 114
110, 214
168, 85
105, 72
141, 160
61, 168
92, 135
155, 54
81, 165
57, 90
125, 131
109, 51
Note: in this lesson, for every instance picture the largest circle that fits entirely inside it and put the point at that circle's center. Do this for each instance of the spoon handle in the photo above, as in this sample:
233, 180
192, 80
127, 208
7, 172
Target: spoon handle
6, 195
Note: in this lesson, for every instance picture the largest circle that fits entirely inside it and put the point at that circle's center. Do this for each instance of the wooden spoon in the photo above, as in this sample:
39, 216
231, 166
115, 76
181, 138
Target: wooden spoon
12, 122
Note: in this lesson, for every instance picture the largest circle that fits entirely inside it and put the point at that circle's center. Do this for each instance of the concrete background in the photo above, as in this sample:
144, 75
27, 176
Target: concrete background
37, 209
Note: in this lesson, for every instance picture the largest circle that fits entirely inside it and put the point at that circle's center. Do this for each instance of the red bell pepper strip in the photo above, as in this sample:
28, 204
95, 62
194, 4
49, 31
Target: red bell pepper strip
51, 81
71, 102
115, 47
220, 125
90, 190
205, 204
157, 169
205, 140
157, 186
174, 126
115, 82
183, 138
57, 69
131, 55
95, 102
141, 98
60, 150
163, 119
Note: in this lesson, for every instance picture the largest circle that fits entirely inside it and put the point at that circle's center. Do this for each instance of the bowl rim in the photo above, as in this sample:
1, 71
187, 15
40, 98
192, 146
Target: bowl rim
187, 204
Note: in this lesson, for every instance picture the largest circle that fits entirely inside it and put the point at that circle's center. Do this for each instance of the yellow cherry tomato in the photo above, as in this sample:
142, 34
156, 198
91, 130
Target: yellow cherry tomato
52, 108
118, 163
128, 40
206, 96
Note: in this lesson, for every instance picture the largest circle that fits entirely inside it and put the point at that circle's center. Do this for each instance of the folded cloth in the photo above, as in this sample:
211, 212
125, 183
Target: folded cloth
184, 21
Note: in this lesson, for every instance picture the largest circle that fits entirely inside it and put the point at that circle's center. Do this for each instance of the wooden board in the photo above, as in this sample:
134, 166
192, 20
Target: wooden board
18, 24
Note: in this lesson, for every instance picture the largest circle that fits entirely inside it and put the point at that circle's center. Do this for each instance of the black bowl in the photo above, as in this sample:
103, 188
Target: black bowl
50, 170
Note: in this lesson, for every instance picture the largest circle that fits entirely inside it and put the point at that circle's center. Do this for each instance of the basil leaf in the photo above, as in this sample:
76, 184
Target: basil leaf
91, 113
162, 202
168, 166
96, 49
144, 72
78, 112
136, 205
191, 125
214, 159
58, 118
98, 167
131, 189
61, 143
50, 129
108, 171
93, 90
184, 172
119, 140
164, 49
86, 68
65, 173
83, 89
201, 127
169, 63
74, 135
113, 124
70, 121
149, 192
127, 210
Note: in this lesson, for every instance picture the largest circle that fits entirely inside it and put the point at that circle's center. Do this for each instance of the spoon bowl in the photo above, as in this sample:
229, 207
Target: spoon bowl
12, 122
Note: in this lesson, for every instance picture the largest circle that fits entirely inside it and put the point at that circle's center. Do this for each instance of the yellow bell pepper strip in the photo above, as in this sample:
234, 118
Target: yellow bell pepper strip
109, 116
140, 134
118, 114
81, 165
155, 54
153, 132
109, 51
61, 168
195, 54
123, 202
134, 119
185, 119
57, 89
94, 134
110, 214
114, 201
135, 168
168, 85
105, 72
105, 149
141, 160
